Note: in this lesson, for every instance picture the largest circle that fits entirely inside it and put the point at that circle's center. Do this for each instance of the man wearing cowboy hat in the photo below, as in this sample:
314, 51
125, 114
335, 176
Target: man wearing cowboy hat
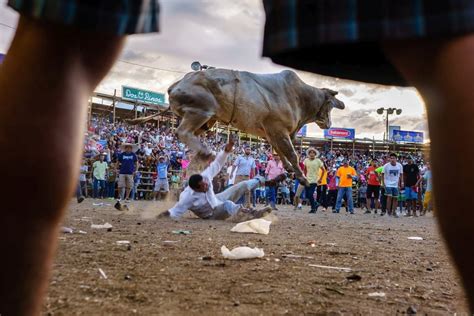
128, 166
199, 196
312, 164
162, 185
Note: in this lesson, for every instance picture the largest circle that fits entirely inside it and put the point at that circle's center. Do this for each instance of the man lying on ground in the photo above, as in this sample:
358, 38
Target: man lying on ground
200, 199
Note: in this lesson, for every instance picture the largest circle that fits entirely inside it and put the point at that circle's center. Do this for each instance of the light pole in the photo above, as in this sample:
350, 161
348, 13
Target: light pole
388, 111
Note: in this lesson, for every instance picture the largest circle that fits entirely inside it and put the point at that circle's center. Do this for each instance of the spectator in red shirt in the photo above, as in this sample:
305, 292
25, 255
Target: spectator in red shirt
373, 187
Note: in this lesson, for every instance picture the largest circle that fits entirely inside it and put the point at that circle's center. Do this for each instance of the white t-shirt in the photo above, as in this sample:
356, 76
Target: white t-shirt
82, 176
392, 174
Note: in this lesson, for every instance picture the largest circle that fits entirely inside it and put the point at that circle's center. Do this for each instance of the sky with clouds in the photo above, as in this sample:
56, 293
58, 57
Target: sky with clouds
229, 34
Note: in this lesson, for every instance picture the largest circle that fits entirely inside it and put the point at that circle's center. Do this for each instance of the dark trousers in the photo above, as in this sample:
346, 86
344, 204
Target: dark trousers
309, 192
111, 189
322, 195
331, 198
383, 200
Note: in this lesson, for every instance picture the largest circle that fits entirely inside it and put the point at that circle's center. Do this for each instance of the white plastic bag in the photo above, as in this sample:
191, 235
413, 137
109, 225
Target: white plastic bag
106, 225
256, 226
242, 253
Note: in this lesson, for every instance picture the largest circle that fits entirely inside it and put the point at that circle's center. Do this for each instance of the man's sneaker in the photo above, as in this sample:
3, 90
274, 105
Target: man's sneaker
312, 212
335, 212
246, 214
127, 201
80, 199
375, 212
367, 212
352, 213
382, 213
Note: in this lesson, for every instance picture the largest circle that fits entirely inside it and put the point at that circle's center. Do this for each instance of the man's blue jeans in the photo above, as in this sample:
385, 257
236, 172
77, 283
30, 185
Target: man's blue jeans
271, 195
347, 193
99, 187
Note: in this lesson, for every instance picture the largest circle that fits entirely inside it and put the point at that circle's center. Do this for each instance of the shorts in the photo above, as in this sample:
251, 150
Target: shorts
162, 185
393, 192
125, 181
341, 38
410, 194
118, 17
373, 190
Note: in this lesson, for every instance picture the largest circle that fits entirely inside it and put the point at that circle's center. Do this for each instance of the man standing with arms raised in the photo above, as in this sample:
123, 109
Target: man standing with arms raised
392, 180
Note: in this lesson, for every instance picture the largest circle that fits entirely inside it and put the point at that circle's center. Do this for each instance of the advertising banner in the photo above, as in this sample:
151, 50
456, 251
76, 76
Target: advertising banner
302, 132
143, 96
341, 133
400, 136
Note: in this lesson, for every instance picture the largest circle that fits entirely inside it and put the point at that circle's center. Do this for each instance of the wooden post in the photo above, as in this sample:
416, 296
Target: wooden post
353, 147
135, 108
331, 144
113, 106
89, 114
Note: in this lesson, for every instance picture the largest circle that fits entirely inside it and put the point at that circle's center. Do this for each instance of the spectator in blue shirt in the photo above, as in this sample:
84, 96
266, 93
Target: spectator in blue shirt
128, 166
162, 184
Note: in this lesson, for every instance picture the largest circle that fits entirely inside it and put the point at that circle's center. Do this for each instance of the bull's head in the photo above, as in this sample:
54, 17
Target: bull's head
323, 118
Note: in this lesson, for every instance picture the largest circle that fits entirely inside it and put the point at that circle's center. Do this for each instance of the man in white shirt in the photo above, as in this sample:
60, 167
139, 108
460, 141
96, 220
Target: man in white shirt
245, 166
99, 169
200, 199
392, 180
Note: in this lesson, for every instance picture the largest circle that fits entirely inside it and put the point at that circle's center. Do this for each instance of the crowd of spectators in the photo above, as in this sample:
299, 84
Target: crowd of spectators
153, 145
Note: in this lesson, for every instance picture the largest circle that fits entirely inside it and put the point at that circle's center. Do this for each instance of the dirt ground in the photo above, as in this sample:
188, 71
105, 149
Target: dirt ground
162, 273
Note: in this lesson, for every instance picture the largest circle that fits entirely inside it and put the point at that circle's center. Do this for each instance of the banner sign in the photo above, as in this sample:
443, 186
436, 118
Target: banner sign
344, 133
144, 96
302, 132
407, 136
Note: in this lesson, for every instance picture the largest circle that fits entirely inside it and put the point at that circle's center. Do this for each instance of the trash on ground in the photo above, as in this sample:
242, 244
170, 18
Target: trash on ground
102, 273
97, 204
256, 226
411, 310
415, 238
106, 225
377, 294
242, 253
66, 230
181, 232
332, 268
334, 290
123, 242
82, 232
170, 241
354, 277
296, 256
330, 244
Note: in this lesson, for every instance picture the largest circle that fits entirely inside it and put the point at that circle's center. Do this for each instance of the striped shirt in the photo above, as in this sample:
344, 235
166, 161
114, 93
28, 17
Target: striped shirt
341, 38
118, 17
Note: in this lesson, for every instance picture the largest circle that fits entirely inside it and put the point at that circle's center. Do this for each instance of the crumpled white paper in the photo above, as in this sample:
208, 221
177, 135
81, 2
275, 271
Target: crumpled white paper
256, 226
242, 253
106, 225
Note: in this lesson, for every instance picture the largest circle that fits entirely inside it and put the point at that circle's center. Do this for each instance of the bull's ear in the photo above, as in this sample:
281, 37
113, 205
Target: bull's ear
331, 92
